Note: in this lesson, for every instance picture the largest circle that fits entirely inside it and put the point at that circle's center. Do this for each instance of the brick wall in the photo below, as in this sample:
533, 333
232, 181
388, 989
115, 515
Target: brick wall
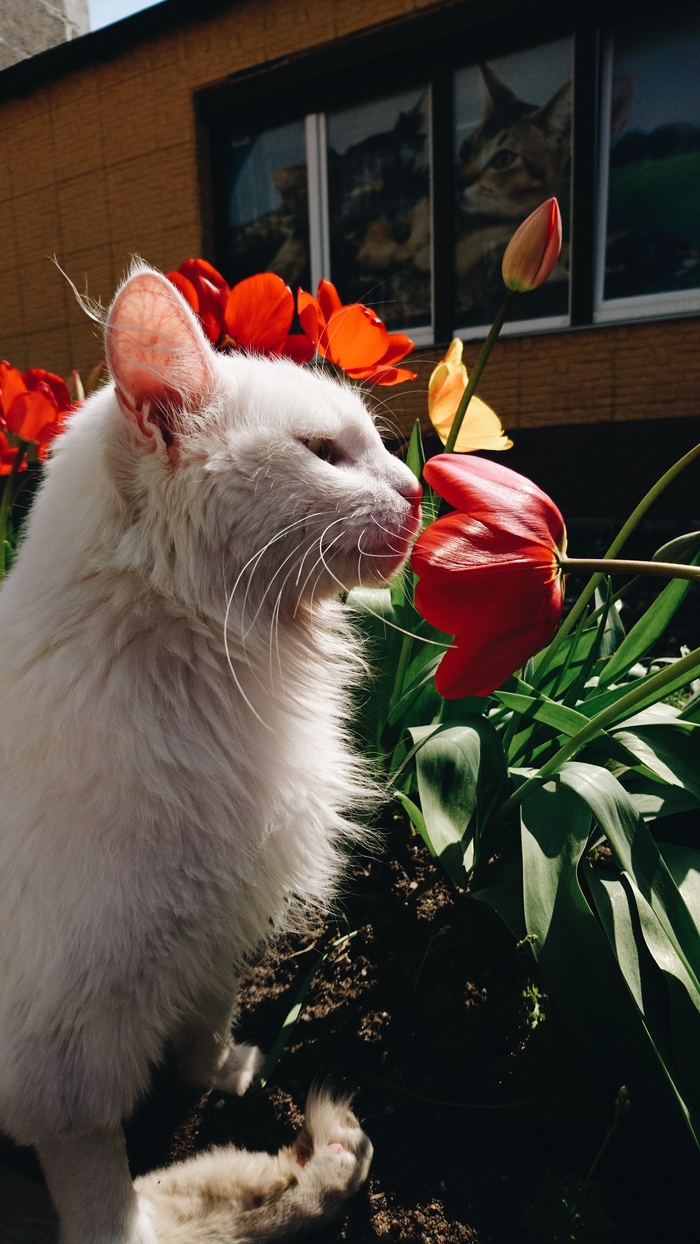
102, 164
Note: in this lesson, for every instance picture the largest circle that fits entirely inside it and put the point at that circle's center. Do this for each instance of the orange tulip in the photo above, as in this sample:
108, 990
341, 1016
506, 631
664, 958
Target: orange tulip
533, 250
259, 312
481, 429
353, 337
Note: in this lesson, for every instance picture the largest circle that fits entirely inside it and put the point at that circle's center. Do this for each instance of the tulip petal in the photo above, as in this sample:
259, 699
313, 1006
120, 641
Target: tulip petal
196, 270
493, 648
381, 374
497, 496
34, 416
11, 383
36, 377
398, 347
531, 255
8, 453
299, 348
353, 338
259, 312
310, 315
328, 299
186, 288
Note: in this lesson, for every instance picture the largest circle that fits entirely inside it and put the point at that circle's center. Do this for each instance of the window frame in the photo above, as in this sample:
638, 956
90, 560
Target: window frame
426, 50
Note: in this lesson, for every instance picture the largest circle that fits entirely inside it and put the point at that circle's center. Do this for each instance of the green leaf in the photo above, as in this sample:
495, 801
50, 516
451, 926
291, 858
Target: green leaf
613, 630
682, 549
415, 456
655, 800
670, 750
416, 818
598, 703
461, 775
638, 855
646, 631
569, 945
562, 719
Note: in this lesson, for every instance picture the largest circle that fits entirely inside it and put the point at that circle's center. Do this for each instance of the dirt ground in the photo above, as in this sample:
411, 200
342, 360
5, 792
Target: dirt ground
484, 1112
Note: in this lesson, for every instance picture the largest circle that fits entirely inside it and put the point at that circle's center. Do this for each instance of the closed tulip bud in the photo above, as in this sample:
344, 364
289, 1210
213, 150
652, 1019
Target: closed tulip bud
533, 250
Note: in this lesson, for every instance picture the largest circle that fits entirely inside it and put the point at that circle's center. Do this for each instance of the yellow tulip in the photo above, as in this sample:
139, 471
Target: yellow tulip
481, 429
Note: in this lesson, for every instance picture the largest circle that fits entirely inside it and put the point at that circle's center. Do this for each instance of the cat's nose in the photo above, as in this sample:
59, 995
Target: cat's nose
409, 487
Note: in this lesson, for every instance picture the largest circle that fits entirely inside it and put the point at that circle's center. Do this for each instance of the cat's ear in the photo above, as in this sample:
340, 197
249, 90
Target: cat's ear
498, 95
157, 354
554, 117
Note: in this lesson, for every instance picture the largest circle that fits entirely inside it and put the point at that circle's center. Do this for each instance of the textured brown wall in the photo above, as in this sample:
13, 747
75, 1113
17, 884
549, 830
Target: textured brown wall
611, 374
102, 164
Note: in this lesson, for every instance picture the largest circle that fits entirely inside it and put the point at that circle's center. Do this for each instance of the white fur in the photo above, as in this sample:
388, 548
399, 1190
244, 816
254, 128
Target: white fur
175, 777
228, 1195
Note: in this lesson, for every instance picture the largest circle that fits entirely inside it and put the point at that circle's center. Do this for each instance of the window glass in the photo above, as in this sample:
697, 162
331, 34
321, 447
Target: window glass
379, 206
653, 217
268, 205
512, 151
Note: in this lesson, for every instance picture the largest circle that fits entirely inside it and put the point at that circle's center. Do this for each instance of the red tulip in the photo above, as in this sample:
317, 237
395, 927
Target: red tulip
533, 250
206, 292
33, 406
8, 453
489, 572
353, 337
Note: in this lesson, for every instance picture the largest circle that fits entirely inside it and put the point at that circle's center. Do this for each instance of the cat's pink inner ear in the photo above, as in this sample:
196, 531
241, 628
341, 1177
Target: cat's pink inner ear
155, 348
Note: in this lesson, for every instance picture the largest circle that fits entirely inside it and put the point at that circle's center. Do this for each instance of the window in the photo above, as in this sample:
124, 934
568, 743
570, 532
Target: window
649, 260
512, 151
406, 196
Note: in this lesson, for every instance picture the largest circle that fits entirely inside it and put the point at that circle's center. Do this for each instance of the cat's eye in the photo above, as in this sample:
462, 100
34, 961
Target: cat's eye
322, 447
503, 159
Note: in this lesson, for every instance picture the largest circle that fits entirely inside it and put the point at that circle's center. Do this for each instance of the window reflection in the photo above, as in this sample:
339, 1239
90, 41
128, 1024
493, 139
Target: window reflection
379, 205
512, 151
653, 219
268, 205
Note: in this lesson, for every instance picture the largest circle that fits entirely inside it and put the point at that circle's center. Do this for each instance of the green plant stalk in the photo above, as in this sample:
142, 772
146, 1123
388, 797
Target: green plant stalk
620, 709
622, 536
274, 1056
479, 366
8, 497
663, 570
401, 667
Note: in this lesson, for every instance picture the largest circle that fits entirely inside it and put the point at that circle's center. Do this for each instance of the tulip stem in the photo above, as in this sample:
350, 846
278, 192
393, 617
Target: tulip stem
664, 570
637, 514
479, 366
638, 697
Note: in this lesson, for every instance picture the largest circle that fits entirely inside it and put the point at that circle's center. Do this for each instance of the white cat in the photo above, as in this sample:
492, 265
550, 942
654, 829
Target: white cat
175, 776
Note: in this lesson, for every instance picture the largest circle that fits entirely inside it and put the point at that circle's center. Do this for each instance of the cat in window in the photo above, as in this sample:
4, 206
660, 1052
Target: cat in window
517, 157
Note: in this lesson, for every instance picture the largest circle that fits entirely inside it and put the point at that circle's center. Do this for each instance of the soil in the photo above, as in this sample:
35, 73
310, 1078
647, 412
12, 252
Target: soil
484, 1112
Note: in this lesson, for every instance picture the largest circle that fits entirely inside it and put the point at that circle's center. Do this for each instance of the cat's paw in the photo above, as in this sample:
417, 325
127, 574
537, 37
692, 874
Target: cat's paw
240, 1067
332, 1146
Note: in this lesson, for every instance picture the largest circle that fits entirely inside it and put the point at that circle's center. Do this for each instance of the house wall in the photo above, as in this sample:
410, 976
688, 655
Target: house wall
102, 164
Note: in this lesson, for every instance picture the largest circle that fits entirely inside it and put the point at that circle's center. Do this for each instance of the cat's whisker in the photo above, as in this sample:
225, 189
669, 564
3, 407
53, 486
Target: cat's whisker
423, 639
265, 594
302, 590
254, 561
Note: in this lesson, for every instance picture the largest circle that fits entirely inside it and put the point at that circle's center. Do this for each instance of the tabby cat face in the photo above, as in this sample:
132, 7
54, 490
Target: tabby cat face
517, 155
